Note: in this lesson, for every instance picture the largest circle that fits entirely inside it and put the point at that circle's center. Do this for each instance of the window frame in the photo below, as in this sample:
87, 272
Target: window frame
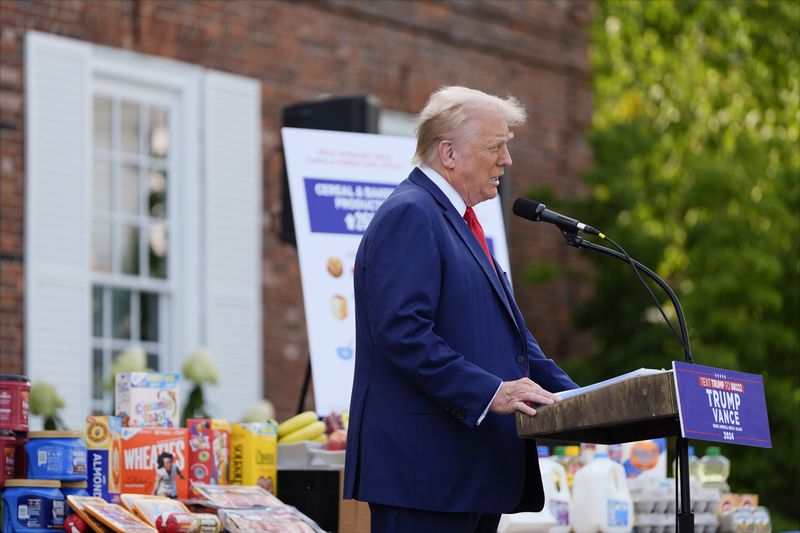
125, 75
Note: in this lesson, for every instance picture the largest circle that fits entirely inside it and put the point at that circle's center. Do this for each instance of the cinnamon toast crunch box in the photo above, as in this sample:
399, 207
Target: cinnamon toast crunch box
104, 456
209, 451
154, 461
148, 399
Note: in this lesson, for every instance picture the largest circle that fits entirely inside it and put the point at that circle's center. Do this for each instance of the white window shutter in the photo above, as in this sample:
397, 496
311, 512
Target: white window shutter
57, 210
232, 164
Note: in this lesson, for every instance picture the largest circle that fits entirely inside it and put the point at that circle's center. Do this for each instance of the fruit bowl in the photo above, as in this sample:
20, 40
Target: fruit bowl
328, 457
296, 453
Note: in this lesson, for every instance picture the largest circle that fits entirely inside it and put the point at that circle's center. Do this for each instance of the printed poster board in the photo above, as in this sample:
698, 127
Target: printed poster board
721, 405
337, 181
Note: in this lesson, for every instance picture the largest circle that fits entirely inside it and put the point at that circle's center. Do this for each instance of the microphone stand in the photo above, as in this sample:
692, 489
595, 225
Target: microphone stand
685, 516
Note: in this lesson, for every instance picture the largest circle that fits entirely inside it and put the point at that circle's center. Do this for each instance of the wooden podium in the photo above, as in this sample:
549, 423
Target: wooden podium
639, 408
644, 407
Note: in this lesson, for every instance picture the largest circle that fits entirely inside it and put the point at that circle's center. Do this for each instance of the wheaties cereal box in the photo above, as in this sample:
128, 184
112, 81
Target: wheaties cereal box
104, 456
148, 399
254, 454
154, 461
209, 451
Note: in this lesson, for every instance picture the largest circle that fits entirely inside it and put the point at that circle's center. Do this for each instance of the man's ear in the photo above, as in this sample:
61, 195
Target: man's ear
447, 154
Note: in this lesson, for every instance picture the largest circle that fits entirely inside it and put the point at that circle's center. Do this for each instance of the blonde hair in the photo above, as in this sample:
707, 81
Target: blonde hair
447, 110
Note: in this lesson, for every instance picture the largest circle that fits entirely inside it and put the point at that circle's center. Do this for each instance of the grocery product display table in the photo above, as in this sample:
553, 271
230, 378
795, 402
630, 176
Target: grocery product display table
316, 492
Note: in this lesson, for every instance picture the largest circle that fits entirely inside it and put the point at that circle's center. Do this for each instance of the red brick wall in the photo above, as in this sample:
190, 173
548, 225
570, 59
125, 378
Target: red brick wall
397, 50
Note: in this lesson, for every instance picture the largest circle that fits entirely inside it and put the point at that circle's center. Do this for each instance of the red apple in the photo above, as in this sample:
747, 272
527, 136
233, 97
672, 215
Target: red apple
337, 440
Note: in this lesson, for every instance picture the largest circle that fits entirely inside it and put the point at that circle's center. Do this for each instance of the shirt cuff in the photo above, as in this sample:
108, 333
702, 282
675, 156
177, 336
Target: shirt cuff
486, 411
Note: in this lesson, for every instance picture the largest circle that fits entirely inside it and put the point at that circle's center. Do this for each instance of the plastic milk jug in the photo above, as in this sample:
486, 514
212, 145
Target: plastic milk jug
556, 492
600, 498
541, 522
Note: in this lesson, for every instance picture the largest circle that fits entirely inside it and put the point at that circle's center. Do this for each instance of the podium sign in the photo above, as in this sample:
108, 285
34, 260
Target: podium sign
721, 405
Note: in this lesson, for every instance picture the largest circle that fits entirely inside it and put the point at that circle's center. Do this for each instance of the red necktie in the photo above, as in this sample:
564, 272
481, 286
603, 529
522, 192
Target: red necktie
477, 230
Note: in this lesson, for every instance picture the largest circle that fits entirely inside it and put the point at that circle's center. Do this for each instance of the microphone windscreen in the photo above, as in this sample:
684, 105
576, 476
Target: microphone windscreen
527, 209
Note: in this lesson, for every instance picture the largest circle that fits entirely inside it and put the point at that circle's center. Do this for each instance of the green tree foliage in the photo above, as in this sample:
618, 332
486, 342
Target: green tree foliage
697, 173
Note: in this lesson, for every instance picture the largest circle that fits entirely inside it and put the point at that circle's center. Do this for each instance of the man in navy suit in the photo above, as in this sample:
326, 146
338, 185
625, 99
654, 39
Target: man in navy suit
443, 355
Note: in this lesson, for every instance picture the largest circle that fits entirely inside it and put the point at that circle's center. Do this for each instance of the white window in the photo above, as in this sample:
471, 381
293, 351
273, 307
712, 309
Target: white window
133, 183
143, 205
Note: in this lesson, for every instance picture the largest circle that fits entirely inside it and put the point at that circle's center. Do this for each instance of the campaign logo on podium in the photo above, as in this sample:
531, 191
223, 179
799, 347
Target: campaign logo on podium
721, 405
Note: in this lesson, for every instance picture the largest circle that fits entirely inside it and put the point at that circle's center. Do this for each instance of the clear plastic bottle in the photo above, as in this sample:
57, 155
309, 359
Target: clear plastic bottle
694, 465
714, 469
573, 463
559, 455
615, 453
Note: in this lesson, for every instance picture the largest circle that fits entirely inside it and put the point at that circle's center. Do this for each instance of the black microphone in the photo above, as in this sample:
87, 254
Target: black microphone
537, 212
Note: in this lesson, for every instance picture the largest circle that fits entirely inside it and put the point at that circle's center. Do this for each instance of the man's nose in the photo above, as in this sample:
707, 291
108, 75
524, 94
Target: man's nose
505, 157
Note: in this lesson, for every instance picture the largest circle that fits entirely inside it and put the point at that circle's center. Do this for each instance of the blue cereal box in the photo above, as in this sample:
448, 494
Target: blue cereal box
104, 456
148, 399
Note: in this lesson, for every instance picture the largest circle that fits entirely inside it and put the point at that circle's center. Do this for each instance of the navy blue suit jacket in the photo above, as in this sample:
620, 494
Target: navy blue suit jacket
437, 330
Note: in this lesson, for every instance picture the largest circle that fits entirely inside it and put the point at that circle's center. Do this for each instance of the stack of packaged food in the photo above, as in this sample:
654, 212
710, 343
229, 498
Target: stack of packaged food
139, 471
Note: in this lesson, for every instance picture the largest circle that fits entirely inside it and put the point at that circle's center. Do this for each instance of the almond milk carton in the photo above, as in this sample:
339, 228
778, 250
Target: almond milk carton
154, 461
148, 399
104, 456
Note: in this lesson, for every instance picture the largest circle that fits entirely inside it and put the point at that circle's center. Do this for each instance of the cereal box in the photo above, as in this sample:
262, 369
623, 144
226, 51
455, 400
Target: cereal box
254, 454
104, 456
209, 451
148, 399
154, 461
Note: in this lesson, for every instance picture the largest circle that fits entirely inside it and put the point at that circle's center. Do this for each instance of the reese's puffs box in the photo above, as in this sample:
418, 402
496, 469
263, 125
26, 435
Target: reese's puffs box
104, 456
254, 455
209, 451
154, 461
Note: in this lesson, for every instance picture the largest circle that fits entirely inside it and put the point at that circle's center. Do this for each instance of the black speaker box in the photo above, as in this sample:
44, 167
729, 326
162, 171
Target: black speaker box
357, 114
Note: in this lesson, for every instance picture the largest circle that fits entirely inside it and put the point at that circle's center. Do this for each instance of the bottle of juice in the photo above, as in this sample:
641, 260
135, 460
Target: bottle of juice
573, 463
713, 469
694, 465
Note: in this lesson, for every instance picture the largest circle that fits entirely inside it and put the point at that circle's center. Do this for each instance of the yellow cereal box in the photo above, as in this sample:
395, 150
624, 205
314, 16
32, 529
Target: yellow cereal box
254, 455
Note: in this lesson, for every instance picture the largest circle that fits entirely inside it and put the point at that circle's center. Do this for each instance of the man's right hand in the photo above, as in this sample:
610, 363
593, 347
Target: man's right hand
513, 396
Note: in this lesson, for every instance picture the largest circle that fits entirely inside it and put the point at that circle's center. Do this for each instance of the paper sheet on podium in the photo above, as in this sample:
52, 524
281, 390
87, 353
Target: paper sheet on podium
599, 385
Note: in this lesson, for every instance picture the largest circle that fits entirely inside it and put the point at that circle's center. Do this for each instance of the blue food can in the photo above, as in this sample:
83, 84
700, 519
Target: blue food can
57, 455
72, 488
33, 506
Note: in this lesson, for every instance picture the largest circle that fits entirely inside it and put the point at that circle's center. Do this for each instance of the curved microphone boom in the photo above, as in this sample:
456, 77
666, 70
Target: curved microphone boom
570, 227
537, 212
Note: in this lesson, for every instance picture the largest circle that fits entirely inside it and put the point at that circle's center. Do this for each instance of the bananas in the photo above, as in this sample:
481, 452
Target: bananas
308, 432
296, 422
322, 439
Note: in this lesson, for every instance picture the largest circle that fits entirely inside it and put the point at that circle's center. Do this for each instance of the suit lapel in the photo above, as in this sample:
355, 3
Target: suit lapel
463, 231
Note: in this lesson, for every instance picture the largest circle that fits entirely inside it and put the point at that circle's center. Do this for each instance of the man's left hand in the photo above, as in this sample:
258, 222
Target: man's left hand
515, 395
